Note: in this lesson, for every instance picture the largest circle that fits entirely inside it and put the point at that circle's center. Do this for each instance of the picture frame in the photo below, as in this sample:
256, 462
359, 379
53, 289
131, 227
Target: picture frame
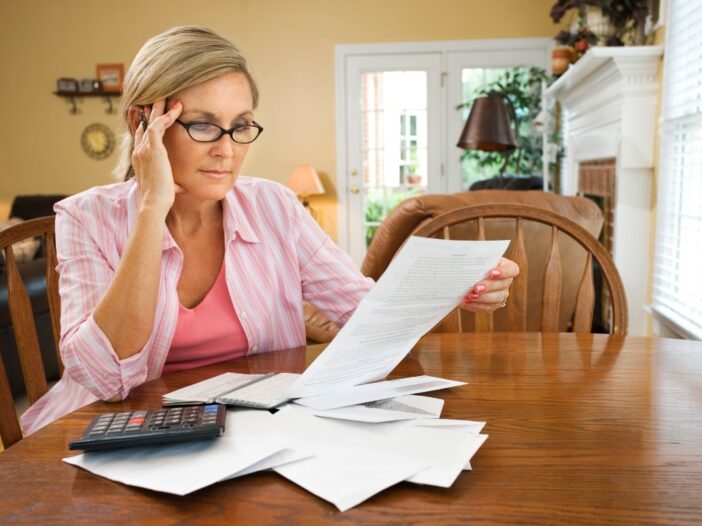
90, 86
111, 76
67, 85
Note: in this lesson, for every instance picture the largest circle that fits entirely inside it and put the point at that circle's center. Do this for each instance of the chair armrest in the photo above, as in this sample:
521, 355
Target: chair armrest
319, 328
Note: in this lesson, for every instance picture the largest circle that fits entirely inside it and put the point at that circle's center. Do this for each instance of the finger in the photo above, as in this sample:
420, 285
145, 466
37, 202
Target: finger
491, 298
138, 134
174, 112
157, 109
497, 296
491, 286
160, 123
506, 268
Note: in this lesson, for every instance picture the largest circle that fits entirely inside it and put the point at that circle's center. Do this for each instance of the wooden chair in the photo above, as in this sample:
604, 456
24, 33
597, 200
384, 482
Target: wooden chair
416, 211
455, 225
23, 324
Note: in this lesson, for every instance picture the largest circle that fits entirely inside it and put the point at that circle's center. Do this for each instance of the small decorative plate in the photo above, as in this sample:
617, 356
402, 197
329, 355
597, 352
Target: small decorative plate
97, 141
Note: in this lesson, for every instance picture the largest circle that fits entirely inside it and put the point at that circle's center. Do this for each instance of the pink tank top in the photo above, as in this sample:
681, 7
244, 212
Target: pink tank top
209, 332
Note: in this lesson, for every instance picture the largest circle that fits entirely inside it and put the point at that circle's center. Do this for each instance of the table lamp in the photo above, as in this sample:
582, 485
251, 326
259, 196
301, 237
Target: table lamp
305, 182
488, 127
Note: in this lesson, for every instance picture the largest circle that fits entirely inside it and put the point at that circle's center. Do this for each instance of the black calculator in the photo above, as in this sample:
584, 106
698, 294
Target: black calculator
158, 426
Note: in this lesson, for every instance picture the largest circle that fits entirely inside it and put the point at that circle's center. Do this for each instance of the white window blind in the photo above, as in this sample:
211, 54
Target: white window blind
677, 274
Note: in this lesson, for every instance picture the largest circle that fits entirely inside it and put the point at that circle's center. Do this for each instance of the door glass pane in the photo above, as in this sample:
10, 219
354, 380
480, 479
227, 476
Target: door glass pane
473, 80
394, 142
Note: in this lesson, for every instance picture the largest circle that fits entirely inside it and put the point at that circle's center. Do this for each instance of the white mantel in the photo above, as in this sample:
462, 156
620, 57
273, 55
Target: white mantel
608, 101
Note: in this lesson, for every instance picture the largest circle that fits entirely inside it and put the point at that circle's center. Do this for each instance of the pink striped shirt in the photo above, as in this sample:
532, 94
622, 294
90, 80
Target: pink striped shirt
275, 256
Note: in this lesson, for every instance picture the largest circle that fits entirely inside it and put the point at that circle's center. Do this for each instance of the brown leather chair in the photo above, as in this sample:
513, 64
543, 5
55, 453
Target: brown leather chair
23, 322
415, 212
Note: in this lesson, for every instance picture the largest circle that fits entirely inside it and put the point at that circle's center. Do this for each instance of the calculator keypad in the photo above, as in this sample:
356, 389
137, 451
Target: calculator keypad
161, 419
159, 425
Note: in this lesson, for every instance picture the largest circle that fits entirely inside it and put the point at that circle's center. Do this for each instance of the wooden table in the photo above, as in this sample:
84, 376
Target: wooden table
584, 429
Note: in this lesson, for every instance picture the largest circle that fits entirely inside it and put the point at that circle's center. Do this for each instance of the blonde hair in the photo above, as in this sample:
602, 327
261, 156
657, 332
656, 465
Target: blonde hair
175, 60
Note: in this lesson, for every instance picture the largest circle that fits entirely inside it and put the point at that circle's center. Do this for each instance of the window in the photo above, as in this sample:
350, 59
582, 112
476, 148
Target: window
409, 160
394, 141
677, 274
398, 121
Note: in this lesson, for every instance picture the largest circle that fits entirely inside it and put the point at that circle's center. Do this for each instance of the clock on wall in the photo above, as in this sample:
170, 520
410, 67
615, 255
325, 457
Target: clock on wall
97, 141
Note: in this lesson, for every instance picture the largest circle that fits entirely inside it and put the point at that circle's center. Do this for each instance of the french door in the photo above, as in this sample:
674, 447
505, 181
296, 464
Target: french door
398, 124
394, 123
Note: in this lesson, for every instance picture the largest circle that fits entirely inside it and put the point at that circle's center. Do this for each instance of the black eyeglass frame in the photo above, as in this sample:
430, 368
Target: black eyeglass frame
222, 131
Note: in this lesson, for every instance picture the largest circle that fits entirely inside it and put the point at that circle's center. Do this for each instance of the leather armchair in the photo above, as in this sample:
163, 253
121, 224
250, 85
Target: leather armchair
412, 213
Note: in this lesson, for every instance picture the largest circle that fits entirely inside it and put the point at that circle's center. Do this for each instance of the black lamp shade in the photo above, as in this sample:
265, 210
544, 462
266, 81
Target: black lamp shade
488, 126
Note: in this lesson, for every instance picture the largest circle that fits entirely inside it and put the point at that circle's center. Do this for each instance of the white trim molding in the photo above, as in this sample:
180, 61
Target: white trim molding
609, 110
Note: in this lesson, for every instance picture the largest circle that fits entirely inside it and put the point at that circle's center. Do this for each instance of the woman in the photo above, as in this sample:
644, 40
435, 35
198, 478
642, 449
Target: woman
186, 263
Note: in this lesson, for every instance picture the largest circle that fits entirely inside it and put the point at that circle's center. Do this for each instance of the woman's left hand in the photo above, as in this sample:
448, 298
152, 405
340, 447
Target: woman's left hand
492, 292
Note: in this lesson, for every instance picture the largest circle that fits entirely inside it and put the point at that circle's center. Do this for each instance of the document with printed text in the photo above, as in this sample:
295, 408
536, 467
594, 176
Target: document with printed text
425, 281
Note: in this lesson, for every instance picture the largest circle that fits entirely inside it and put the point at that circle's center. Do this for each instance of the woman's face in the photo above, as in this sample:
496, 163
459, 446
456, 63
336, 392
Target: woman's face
208, 170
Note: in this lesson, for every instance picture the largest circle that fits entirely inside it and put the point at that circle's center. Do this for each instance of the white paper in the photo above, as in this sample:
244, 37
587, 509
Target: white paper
401, 408
342, 471
422, 284
266, 393
186, 467
207, 390
359, 394
422, 406
352, 461
472, 426
257, 426
450, 448
281, 458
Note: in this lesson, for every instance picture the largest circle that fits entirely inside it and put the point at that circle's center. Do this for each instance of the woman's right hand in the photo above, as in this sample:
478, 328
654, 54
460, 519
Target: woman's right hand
152, 169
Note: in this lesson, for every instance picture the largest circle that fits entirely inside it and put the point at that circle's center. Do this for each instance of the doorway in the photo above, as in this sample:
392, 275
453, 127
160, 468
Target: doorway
398, 122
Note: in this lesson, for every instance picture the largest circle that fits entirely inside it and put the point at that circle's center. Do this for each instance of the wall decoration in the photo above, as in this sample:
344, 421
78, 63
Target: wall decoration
66, 85
90, 86
111, 76
97, 141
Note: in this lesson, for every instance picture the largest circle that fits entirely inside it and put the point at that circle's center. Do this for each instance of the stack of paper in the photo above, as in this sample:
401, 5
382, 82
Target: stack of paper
360, 394
249, 444
353, 461
207, 391
401, 408
326, 452
266, 391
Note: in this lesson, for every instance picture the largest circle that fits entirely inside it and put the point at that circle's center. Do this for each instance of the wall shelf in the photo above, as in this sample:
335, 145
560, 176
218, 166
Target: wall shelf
73, 98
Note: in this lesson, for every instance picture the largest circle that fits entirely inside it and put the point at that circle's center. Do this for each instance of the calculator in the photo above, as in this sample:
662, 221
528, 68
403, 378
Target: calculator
158, 426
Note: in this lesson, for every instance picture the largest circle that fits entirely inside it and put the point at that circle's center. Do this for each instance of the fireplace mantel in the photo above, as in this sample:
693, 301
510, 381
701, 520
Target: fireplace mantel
608, 100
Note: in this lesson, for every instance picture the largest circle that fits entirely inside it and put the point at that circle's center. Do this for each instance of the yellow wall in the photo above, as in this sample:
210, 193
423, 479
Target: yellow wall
290, 45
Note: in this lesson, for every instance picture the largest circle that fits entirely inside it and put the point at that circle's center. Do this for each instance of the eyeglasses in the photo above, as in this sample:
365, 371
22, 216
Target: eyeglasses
208, 132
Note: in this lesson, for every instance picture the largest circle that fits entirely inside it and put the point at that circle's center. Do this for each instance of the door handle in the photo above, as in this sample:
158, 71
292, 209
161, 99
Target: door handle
354, 189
